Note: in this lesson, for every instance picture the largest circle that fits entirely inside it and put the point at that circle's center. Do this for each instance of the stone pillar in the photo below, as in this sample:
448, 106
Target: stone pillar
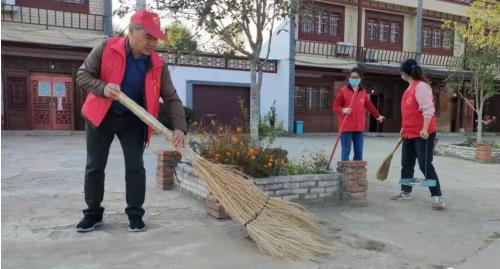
354, 182
165, 168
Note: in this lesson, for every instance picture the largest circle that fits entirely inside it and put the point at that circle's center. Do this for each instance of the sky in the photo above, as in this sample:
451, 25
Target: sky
122, 23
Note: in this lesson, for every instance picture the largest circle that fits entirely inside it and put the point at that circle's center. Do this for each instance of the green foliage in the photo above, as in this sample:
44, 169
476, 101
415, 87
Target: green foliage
270, 127
312, 163
481, 58
180, 40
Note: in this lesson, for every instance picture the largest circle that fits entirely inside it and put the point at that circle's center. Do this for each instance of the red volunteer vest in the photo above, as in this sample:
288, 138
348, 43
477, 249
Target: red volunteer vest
413, 120
113, 63
356, 121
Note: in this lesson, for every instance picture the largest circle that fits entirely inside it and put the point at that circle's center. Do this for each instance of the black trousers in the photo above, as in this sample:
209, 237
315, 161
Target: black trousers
423, 151
131, 133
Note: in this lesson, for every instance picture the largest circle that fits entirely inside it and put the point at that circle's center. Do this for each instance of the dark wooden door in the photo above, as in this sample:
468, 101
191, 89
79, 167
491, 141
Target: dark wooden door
219, 104
16, 102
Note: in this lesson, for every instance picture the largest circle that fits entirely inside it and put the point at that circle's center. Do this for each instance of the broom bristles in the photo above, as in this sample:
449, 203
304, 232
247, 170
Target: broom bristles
282, 229
383, 170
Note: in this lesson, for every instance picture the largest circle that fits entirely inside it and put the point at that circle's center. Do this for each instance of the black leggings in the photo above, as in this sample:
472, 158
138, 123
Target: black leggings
423, 151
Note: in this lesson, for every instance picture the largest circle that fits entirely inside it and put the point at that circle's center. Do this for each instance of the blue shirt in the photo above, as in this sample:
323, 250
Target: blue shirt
133, 80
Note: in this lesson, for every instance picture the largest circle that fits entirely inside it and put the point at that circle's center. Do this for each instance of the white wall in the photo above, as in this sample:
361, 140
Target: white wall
274, 85
277, 87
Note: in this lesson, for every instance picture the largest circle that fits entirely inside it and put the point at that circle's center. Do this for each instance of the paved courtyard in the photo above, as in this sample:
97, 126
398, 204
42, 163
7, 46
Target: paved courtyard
42, 198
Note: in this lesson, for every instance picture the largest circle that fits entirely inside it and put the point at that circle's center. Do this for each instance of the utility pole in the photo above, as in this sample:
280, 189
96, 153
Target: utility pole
108, 18
360, 28
419, 30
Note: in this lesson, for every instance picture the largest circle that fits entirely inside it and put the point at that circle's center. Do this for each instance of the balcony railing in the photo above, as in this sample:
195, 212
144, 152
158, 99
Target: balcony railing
369, 55
53, 18
214, 61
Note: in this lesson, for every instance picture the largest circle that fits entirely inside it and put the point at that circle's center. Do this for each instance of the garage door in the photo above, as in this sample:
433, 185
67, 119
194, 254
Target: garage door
219, 103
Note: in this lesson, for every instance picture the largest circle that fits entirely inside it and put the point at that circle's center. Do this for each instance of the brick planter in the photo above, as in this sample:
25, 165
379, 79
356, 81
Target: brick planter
483, 153
469, 153
355, 184
165, 168
303, 188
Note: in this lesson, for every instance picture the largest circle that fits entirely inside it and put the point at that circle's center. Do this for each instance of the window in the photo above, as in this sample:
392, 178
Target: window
395, 32
307, 23
383, 30
372, 30
324, 24
312, 97
335, 24
427, 32
300, 97
319, 25
448, 39
325, 98
435, 39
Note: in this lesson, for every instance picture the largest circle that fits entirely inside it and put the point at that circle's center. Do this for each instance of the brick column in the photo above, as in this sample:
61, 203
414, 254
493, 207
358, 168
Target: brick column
354, 182
215, 208
165, 168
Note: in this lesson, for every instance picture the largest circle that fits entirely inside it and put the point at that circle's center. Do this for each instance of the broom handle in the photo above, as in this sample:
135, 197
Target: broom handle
156, 125
398, 143
340, 132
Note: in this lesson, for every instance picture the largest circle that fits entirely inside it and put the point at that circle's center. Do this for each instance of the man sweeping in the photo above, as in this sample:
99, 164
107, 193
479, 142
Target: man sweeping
129, 65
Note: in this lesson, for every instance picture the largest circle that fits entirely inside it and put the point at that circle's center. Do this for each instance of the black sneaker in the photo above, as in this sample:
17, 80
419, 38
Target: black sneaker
88, 223
136, 224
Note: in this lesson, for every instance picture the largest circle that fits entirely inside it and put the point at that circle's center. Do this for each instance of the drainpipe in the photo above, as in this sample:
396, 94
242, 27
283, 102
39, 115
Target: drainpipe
419, 30
108, 18
291, 72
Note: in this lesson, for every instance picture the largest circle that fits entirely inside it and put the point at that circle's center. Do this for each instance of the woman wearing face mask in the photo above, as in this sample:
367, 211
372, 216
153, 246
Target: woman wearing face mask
418, 131
350, 104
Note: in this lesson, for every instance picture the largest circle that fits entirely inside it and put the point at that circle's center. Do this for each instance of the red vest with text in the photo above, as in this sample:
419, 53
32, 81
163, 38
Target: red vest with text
413, 120
113, 64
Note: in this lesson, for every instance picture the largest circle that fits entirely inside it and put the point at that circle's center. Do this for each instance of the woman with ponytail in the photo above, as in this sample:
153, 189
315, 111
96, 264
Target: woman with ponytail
418, 131
350, 104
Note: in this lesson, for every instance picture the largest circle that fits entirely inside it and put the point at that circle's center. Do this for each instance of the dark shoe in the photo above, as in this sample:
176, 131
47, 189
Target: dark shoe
136, 224
88, 223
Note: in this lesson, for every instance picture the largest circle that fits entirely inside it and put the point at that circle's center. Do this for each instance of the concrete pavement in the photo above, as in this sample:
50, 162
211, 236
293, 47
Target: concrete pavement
42, 198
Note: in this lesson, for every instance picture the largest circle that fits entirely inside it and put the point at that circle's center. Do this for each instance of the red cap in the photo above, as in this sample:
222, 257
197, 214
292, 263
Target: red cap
150, 21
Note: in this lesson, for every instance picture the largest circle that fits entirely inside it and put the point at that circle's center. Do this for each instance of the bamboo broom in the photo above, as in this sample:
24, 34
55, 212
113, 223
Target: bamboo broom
383, 170
281, 229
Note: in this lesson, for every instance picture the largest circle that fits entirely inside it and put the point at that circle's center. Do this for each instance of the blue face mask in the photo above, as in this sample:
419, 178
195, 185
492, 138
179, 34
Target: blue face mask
354, 82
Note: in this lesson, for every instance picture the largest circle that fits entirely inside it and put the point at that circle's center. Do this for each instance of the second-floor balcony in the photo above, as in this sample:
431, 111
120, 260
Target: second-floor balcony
52, 18
370, 55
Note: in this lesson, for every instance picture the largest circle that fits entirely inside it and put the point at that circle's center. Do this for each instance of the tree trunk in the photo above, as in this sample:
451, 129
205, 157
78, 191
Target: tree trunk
254, 102
479, 134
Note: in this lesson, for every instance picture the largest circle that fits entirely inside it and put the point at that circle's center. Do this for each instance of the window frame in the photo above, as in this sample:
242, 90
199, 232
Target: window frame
326, 36
437, 50
390, 18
